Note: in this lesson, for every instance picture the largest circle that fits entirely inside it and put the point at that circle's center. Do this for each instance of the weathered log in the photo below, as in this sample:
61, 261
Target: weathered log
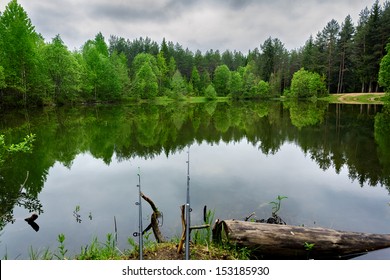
270, 241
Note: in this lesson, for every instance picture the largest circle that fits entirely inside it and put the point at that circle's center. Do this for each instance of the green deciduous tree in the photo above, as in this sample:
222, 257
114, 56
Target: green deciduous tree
221, 80
2, 78
145, 84
384, 70
179, 85
196, 82
236, 85
263, 89
163, 73
105, 75
18, 49
307, 84
210, 92
63, 71
248, 81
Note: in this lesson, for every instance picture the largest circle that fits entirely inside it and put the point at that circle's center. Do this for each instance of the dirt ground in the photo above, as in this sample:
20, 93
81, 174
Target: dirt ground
353, 98
168, 251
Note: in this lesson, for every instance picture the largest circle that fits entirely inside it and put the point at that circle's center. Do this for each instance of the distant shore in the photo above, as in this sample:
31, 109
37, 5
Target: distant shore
357, 98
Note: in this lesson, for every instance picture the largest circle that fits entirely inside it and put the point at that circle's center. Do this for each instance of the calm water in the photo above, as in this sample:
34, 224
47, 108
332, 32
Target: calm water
331, 161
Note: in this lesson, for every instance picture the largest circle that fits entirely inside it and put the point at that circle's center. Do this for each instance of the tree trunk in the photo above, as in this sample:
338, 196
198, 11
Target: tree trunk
270, 241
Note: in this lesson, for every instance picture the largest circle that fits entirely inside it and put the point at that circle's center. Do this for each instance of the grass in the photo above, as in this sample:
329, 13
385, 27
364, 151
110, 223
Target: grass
165, 100
201, 249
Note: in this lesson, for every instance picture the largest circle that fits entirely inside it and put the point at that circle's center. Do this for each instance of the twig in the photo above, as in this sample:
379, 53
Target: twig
247, 218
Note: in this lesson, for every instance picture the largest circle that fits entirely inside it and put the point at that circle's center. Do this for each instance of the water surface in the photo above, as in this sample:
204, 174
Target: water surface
331, 161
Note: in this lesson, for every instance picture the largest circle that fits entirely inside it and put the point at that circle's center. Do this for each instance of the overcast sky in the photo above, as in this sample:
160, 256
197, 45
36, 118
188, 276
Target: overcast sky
197, 24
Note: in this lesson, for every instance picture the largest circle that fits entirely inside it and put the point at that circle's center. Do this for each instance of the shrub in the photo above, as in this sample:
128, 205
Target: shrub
307, 84
263, 89
210, 92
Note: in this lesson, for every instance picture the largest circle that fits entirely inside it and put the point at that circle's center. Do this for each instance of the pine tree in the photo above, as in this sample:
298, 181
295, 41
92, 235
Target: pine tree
344, 50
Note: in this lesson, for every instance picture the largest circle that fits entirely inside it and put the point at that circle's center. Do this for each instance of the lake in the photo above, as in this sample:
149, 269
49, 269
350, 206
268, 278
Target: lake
331, 161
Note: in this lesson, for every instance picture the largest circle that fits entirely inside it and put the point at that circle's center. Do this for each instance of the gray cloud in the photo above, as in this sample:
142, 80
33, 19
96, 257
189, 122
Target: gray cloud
199, 24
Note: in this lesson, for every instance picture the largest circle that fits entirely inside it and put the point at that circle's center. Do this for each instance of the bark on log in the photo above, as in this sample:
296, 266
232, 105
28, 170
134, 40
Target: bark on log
270, 241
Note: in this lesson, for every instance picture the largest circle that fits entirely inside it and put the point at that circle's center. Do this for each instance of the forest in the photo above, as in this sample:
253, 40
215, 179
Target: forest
341, 58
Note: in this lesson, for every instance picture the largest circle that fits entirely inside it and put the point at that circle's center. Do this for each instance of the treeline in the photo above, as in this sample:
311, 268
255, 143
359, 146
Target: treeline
345, 57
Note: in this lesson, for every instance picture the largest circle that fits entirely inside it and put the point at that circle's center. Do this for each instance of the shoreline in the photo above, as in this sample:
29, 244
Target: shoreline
356, 98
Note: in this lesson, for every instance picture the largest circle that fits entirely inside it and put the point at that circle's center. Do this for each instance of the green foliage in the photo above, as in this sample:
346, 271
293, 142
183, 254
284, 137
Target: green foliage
163, 73
172, 66
221, 80
63, 70
249, 82
303, 114
384, 70
263, 89
210, 93
277, 204
2, 78
144, 58
308, 246
275, 84
203, 236
307, 84
45, 254
236, 85
101, 251
61, 247
24, 146
19, 43
346, 57
179, 86
145, 84
105, 75
196, 81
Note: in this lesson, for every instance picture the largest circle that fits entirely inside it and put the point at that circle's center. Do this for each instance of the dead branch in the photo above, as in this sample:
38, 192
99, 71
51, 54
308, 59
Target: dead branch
183, 234
154, 220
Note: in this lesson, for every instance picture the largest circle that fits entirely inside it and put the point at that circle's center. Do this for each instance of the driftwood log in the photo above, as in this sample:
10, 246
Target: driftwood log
271, 241
153, 221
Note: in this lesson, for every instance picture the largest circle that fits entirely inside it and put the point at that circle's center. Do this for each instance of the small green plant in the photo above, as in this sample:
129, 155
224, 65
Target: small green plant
61, 247
239, 253
308, 246
101, 251
33, 254
149, 244
277, 204
203, 236
76, 214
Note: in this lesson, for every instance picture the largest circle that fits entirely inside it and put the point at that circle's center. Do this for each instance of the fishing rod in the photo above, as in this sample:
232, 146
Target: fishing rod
139, 203
188, 210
